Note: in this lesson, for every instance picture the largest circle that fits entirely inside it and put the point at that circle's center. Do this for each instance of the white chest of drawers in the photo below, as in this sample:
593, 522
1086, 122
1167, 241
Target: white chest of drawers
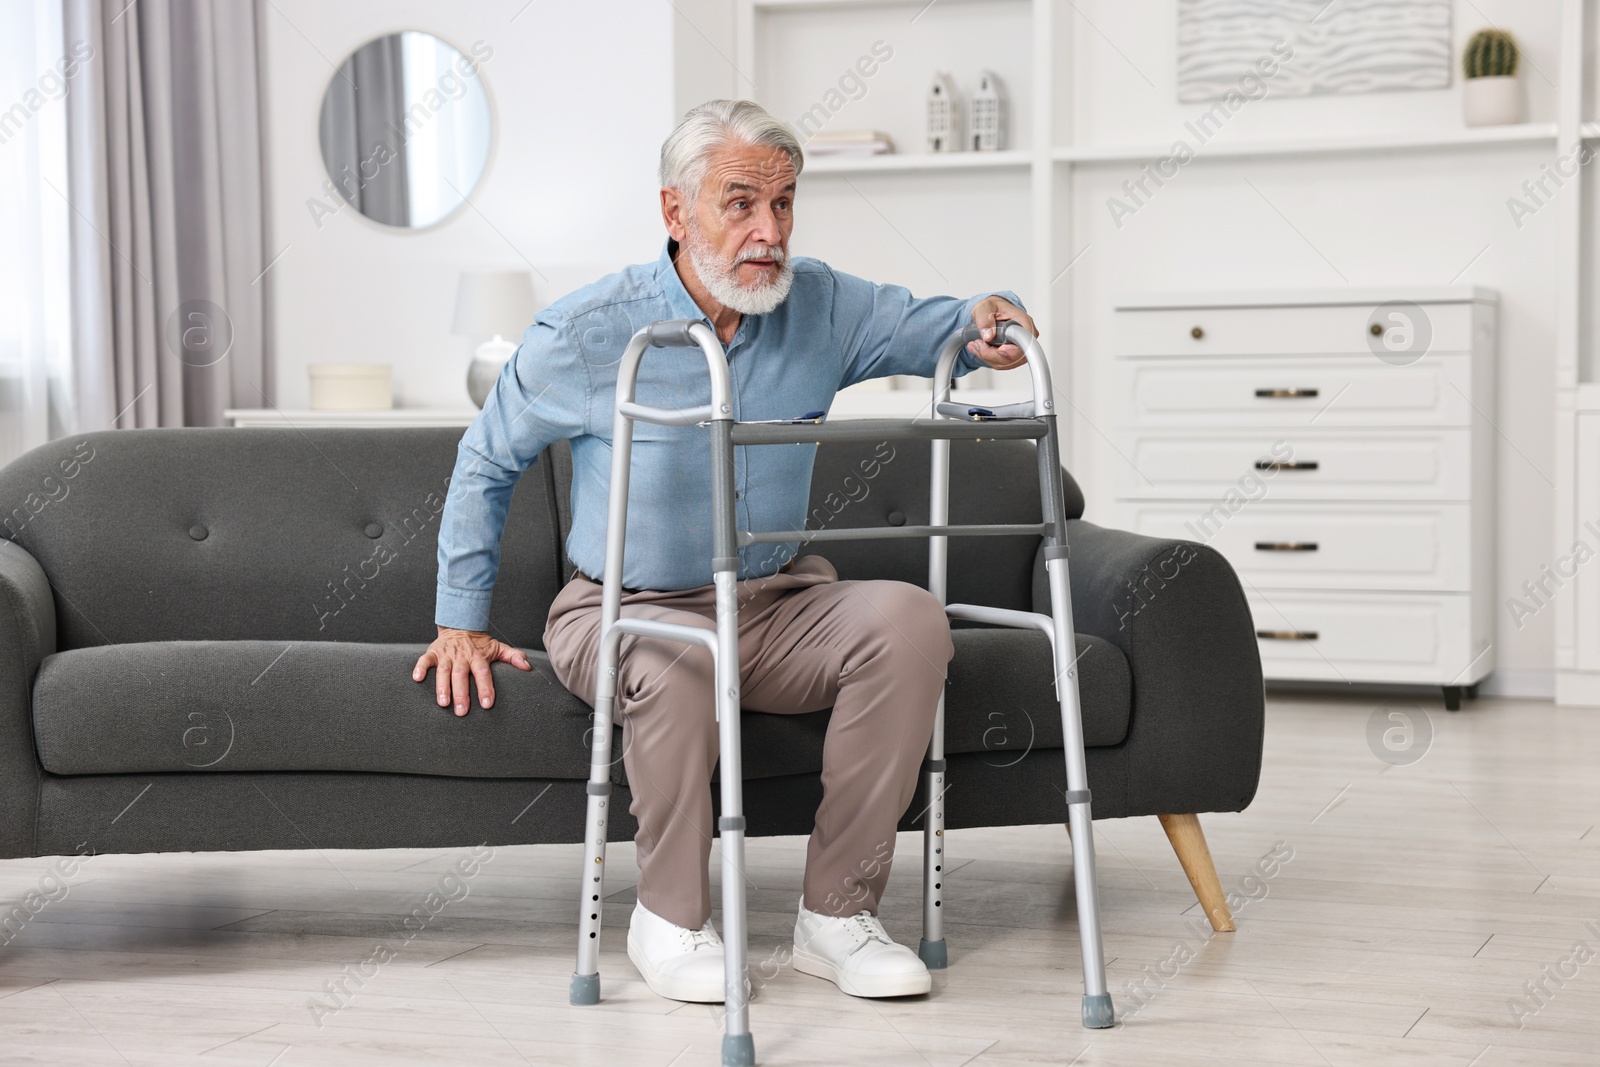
1334, 446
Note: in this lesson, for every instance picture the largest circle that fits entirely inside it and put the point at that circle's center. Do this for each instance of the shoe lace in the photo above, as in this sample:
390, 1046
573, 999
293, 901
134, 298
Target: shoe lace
865, 928
697, 939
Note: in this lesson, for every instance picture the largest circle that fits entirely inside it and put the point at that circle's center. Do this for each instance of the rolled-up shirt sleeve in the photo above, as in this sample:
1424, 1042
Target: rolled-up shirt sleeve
884, 330
541, 396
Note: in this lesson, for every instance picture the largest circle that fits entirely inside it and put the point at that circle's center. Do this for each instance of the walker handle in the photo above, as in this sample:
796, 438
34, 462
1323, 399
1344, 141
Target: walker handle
1043, 402
672, 333
675, 333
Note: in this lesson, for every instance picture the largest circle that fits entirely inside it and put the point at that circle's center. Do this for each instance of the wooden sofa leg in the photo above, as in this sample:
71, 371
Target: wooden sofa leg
1189, 842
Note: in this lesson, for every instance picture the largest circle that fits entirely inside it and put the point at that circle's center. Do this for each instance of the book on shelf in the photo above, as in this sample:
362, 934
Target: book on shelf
849, 143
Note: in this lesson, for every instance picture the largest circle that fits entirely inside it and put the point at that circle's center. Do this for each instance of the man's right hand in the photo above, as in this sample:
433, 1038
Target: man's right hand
459, 654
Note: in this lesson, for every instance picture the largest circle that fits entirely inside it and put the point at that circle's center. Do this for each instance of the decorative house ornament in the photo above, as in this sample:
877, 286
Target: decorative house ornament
1491, 94
989, 114
944, 115
987, 130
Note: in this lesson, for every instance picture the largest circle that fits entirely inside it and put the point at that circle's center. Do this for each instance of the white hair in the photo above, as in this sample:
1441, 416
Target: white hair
686, 153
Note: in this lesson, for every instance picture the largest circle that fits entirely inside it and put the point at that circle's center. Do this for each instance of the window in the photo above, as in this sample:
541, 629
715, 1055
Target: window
35, 341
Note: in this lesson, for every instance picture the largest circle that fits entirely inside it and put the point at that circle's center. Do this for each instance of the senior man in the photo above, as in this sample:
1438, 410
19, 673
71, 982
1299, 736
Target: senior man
796, 331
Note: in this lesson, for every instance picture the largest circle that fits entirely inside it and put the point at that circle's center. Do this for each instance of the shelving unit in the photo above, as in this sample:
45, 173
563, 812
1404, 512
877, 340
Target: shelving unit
1577, 406
1030, 129
913, 161
1223, 148
1047, 151
1044, 185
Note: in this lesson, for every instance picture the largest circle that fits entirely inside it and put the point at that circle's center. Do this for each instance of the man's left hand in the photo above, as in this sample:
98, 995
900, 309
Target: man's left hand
990, 315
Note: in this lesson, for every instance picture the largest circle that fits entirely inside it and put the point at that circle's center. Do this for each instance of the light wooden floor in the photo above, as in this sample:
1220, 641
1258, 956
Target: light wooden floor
1419, 900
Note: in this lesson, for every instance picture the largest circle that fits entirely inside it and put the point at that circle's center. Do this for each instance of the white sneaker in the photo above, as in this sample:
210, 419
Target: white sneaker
856, 954
676, 962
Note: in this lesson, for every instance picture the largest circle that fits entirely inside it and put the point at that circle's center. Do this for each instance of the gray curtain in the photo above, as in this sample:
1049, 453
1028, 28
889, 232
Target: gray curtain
168, 231
362, 131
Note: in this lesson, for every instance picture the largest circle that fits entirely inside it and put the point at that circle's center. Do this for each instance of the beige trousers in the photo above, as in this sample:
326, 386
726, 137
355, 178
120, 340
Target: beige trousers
874, 651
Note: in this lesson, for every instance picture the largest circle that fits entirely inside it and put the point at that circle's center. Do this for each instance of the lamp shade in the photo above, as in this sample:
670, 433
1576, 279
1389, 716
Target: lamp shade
494, 302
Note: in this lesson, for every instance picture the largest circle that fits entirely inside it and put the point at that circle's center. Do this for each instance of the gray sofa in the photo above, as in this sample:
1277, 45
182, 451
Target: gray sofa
206, 638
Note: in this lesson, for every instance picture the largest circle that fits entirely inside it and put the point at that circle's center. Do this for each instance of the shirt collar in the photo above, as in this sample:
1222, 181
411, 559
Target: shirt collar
682, 305
679, 301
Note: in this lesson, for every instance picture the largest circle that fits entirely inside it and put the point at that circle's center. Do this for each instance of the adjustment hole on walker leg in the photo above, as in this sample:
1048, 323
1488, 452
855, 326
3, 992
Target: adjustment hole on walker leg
595, 897
591, 934
596, 915
937, 867
937, 903
936, 885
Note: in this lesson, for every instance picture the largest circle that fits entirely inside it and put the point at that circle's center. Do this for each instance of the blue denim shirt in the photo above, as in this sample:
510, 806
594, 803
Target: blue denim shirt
833, 330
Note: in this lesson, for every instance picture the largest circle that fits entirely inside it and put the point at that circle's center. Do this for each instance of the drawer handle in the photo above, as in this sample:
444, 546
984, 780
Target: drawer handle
1274, 394
1197, 333
1287, 635
1286, 546
1276, 465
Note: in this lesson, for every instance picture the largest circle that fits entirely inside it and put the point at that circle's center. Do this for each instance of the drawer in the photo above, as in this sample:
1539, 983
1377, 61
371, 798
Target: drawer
1278, 391
1274, 545
1355, 637
1317, 465
1284, 331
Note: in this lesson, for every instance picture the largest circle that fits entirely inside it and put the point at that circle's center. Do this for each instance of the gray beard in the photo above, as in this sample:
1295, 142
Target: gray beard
723, 284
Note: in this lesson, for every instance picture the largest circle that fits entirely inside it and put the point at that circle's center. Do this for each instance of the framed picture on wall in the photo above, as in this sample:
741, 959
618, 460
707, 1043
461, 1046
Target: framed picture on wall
1371, 47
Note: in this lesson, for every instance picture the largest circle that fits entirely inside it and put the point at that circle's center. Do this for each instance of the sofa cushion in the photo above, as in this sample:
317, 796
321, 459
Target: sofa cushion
1003, 698
225, 706
309, 706
263, 534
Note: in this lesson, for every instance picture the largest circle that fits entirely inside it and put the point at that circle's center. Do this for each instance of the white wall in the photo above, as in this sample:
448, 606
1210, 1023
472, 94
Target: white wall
581, 97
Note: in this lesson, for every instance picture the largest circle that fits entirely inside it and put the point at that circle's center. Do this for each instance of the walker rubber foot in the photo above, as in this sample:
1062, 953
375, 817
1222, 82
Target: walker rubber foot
585, 989
738, 1050
935, 955
1097, 1012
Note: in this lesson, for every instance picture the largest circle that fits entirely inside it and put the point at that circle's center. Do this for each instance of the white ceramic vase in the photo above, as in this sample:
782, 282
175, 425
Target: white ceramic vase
487, 363
1493, 101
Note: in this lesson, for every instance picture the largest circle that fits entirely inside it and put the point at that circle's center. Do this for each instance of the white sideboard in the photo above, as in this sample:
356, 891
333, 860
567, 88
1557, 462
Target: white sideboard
1331, 446
306, 418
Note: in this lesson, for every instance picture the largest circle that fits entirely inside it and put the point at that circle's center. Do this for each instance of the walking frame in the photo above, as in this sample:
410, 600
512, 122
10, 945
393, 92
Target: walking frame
1035, 420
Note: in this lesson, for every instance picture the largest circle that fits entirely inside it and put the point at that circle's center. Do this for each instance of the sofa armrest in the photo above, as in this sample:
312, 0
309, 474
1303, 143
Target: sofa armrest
27, 636
1176, 610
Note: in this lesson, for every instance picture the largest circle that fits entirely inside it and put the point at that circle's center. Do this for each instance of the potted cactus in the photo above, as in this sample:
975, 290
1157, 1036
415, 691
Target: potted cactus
1491, 95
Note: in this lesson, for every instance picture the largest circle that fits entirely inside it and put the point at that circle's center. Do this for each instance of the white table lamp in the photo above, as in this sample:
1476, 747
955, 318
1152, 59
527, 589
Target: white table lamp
492, 303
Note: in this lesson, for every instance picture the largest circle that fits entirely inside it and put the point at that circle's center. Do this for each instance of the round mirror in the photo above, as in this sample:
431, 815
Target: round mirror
405, 128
